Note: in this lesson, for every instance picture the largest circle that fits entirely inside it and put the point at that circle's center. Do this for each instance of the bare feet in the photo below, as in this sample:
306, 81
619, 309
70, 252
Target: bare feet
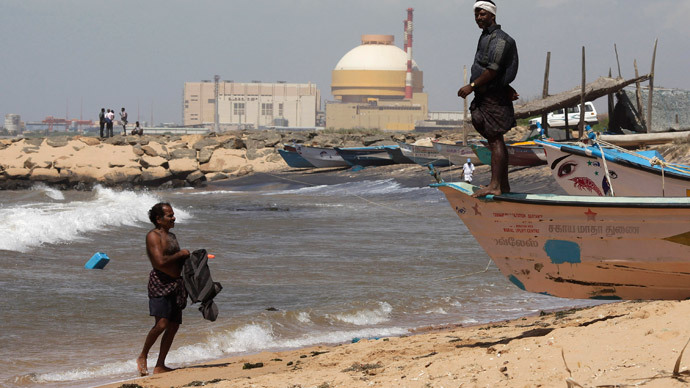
486, 191
162, 369
141, 366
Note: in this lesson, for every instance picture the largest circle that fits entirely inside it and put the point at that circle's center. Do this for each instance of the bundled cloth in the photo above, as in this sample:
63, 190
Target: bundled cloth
199, 284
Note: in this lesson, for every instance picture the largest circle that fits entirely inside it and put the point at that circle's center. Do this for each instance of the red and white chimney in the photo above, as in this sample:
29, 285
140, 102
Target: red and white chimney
408, 50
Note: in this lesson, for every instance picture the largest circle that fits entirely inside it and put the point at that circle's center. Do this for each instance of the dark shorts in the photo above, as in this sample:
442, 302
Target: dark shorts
492, 113
165, 307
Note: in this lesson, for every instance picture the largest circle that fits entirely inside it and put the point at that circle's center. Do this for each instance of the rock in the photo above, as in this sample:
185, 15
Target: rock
206, 143
63, 162
295, 137
120, 175
154, 174
35, 142
30, 150
148, 150
224, 160
235, 144
253, 144
327, 141
274, 157
153, 161
183, 166
253, 154
45, 175
195, 176
205, 155
369, 140
245, 170
181, 153
138, 151
90, 141
215, 176
267, 138
115, 140
86, 174
17, 173
57, 141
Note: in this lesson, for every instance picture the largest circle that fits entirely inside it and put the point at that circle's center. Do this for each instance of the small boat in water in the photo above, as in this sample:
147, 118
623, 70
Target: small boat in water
320, 156
519, 154
581, 246
366, 156
457, 153
605, 170
292, 158
423, 155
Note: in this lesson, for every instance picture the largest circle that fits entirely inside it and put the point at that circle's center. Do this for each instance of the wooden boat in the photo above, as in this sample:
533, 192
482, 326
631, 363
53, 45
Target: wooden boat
424, 155
292, 158
582, 170
457, 153
366, 156
321, 157
581, 246
518, 154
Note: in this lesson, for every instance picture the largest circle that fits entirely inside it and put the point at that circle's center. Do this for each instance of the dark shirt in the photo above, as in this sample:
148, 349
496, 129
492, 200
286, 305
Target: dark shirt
497, 51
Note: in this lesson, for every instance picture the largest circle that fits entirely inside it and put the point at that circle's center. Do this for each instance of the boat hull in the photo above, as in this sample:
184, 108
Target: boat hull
457, 154
321, 157
582, 247
517, 155
293, 159
366, 156
423, 155
580, 171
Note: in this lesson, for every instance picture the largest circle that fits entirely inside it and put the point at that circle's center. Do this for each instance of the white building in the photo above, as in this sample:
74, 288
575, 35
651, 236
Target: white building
13, 123
252, 105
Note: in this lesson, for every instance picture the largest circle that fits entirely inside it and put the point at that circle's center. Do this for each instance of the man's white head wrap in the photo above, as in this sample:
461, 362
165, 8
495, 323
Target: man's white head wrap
486, 5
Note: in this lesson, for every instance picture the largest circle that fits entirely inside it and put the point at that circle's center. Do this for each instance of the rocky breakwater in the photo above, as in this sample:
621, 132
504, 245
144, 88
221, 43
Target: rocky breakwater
157, 160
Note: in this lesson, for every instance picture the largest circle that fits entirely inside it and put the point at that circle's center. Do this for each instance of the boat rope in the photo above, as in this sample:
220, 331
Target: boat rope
606, 169
470, 274
347, 192
656, 161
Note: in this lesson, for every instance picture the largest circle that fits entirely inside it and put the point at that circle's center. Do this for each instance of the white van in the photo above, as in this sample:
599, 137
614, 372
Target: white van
556, 118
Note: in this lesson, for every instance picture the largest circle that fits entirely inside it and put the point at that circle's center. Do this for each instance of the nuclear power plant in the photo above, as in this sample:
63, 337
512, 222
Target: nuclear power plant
377, 85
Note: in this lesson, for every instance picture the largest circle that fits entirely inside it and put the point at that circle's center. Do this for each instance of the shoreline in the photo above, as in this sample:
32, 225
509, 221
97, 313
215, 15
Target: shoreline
610, 344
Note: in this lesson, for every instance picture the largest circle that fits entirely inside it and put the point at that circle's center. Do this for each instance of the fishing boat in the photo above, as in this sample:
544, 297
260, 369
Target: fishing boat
320, 156
457, 153
292, 158
424, 155
519, 154
603, 169
366, 156
582, 247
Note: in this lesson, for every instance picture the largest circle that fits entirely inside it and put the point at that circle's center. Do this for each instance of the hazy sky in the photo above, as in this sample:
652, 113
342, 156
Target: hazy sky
82, 55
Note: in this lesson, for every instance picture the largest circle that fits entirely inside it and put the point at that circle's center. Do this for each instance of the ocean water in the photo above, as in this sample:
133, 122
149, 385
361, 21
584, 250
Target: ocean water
300, 265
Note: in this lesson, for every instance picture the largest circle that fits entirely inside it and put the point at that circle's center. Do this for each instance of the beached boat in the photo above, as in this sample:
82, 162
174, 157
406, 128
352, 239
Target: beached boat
321, 157
580, 246
519, 154
457, 153
366, 156
292, 158
424, 155
607, 170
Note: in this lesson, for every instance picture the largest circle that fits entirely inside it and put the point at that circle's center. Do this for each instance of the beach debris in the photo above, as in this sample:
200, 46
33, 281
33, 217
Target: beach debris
197, 383
130, 386
676, 368
359, 367
97, 261
250, 365
315, 353
271, 309
425, 356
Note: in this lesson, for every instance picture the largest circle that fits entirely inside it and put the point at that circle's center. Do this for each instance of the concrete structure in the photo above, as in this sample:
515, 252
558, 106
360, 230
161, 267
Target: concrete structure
13, 123
250, 105
369, 85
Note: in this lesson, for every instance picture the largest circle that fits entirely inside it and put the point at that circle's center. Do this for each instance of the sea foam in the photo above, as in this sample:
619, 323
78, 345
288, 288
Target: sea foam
28, 226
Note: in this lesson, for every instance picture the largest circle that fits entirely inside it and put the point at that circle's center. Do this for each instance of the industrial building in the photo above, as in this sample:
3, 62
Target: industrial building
13, 123
250, 105
377, 85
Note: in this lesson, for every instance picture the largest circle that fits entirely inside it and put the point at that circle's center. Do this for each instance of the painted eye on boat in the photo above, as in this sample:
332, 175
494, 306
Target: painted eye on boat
566, 169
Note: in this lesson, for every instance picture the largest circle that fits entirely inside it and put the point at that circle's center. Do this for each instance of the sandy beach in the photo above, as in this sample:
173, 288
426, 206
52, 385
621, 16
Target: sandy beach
621, 344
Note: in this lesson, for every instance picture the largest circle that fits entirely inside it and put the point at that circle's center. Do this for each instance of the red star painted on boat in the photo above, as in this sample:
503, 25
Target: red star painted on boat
476, 210
591, 216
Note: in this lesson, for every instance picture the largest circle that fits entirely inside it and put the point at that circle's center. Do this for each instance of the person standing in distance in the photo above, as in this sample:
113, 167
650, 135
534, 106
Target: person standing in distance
468, 170
123, 119
101, 120
167, 295
495, 67
109, 118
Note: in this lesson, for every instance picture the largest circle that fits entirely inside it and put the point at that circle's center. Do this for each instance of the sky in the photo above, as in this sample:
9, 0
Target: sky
73, 57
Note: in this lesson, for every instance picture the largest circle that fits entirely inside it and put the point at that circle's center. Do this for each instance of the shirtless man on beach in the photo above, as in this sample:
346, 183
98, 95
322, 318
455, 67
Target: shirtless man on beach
167, 295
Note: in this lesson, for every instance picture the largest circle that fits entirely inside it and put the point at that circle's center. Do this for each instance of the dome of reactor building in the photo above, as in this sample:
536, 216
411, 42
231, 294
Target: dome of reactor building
375, 70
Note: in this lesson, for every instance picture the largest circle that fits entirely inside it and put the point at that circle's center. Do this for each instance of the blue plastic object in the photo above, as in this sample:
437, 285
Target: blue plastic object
97, 261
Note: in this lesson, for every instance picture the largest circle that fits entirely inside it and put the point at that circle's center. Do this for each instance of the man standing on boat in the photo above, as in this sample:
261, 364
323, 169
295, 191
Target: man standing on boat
495, 67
